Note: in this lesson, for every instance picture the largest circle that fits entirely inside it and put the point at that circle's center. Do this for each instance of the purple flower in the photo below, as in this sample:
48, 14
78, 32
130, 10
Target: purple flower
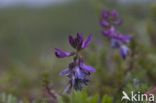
125, 38
124, 51
109, 33
105, 14
109, 20
87, 68
118, 22
61, 54
65, 72
77, 71
78, 42
87, 42
72, 41
104, 23
115, 14
115, 43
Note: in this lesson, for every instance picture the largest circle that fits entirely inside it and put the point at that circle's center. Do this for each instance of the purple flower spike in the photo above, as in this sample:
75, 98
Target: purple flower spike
76, 73
61, 54
109, 21
124, 51
87, 42
115, 14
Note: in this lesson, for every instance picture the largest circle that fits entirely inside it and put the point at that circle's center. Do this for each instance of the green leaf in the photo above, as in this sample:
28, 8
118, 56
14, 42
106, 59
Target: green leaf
107, 99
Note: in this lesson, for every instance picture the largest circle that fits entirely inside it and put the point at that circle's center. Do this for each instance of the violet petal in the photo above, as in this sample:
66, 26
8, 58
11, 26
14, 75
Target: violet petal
78, 73
119, 22
72, 41
124, 51
65, 72
115, 43
115, 14
61, 54
104, 23
87, 67
125, 38
87, 42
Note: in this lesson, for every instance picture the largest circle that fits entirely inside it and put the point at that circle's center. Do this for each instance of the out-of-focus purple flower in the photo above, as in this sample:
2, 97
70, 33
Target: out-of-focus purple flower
115, 43
104, 23
115, 14
105, 14
77, 71
124, 51
61, 54
109, 20
118, 22
125, 38
110, 32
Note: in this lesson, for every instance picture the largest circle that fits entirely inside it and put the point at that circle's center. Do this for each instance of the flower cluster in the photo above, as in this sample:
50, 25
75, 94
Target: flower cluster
77, 71
109, 20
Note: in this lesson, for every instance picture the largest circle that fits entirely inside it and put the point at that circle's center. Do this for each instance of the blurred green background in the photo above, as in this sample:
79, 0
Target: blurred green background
29, 35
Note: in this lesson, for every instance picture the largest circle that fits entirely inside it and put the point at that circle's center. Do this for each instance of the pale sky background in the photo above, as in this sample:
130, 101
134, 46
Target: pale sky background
4, 3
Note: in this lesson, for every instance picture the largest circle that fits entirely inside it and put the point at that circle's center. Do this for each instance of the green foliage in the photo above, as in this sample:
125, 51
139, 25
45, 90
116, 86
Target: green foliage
107, 99
4, 98
7, 98
81, 97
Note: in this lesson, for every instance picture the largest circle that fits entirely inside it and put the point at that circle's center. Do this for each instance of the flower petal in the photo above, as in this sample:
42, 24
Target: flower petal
87, 42
105, 14
115, 43
115, 14
61, 54
79, 40
87, 68
72, 41
124, 51
65, 71
91, 69
78, 73
106, 33
80, 37
104, 23
125, 38
119, 22
110, 32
